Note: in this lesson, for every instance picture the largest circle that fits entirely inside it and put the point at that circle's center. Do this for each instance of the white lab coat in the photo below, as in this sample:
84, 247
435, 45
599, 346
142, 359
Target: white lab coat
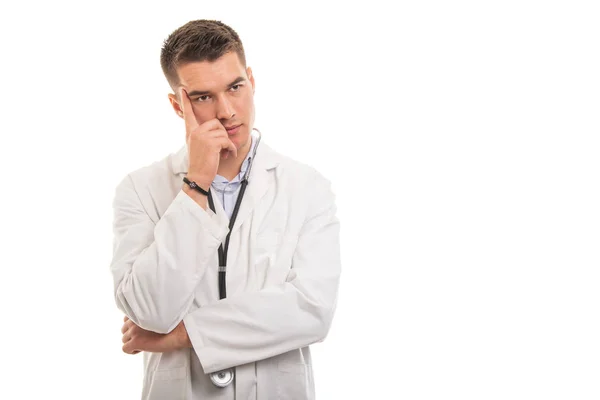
283, 273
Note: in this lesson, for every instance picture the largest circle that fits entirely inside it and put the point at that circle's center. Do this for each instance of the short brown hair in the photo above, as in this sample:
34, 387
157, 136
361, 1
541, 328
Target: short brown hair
199, 40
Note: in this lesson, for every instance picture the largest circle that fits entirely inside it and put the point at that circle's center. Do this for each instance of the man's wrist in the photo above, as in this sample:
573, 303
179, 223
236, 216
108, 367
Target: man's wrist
198, 197
181, 336
200, 180
193, 185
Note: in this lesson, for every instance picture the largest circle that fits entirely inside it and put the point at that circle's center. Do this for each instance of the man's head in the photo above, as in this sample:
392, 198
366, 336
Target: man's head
207, 59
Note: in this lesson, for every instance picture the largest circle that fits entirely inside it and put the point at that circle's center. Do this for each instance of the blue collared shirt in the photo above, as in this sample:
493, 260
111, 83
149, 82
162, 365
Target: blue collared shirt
226, 192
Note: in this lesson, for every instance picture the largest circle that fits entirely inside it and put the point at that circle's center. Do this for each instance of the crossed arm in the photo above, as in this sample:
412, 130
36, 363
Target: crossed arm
152, 259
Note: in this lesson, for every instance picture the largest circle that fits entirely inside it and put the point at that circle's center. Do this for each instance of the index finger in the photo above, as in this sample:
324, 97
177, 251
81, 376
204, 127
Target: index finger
188, 111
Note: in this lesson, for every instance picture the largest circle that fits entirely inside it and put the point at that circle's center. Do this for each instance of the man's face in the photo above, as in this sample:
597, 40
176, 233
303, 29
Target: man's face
222, 89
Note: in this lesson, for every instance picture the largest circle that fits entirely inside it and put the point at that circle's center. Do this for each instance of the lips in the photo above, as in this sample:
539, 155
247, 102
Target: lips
232, 129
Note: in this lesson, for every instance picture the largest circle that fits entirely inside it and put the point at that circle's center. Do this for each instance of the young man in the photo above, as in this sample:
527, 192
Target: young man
223, 313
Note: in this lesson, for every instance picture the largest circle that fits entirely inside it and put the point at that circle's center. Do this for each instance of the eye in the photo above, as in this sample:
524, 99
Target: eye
202, 98
236, 87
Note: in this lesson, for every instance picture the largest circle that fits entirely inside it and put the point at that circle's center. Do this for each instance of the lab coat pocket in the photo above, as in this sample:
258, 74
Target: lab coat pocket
272, 258
267, 241
293, 381
169, 384
265, 247
170, 374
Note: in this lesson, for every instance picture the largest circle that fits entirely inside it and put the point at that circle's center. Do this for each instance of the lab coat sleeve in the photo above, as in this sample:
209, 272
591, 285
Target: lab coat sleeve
257, 325
156, 265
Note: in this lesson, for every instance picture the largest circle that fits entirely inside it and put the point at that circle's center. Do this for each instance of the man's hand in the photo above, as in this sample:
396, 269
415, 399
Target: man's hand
136, 339
206, 143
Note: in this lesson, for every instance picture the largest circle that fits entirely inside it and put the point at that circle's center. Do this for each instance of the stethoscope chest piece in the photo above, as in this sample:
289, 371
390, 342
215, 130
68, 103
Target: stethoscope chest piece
222, 378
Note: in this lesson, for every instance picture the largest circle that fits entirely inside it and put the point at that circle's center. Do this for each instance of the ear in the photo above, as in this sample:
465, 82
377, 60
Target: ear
175, 104
250, 78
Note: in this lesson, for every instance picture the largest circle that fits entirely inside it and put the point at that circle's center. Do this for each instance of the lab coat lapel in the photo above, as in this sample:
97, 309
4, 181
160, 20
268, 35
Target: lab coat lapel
219, 210
258, 183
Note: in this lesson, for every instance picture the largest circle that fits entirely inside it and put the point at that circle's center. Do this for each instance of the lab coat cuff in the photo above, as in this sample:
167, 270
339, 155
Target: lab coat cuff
197, 342
217, 226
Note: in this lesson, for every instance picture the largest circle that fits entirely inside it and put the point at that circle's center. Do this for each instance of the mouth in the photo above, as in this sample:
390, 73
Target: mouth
233, 129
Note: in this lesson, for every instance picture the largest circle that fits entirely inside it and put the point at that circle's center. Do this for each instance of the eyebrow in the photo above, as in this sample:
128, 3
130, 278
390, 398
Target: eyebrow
205, 92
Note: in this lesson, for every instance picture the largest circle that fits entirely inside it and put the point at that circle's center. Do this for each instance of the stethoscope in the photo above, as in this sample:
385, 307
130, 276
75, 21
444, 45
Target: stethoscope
225, 377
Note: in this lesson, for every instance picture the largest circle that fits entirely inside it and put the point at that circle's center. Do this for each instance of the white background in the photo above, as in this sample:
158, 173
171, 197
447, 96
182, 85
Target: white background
462, 142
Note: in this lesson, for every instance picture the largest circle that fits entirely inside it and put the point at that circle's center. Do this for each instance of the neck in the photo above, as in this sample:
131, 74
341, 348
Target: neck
229, 168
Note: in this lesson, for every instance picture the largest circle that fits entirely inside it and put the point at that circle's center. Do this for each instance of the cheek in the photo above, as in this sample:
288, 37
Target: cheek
204, 113
246, 103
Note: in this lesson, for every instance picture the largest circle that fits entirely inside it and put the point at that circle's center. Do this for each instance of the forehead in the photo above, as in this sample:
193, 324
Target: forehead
206, 75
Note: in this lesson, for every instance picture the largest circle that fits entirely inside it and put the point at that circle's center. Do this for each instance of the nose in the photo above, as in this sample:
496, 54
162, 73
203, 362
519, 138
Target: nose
224, 109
